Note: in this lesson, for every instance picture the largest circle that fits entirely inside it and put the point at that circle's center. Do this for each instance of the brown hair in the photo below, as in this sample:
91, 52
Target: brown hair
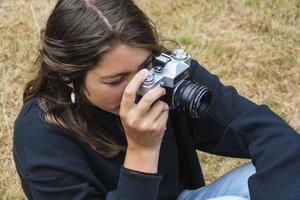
77, 34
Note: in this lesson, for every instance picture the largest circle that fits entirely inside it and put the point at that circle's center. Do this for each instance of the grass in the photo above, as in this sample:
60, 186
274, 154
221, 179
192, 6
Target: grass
251, 44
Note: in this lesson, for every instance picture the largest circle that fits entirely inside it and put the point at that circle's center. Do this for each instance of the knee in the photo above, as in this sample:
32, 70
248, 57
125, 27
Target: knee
247, 170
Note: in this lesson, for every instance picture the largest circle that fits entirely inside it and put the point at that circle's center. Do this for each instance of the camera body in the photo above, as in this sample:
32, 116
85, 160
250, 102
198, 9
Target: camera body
172, 72
168, 71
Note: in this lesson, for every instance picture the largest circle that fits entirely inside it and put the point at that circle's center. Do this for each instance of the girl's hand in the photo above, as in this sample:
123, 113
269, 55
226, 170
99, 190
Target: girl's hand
145, 122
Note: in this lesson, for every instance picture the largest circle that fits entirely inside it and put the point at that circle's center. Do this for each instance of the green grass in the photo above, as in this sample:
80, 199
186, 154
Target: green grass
251, 44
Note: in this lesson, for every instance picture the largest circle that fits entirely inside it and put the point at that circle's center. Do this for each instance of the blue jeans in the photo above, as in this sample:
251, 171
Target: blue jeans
231, 186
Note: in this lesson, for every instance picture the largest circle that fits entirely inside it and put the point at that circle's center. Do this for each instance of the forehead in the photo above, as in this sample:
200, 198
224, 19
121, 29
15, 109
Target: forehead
122, 58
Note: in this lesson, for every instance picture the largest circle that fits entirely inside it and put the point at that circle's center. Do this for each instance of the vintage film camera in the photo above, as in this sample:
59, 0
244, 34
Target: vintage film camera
173, 73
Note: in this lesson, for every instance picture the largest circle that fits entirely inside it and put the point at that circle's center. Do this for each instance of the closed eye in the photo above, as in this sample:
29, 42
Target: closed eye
116, 82
147, 65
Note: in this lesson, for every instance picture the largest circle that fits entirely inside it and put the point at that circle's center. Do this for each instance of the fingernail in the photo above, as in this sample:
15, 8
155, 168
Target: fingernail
144, 72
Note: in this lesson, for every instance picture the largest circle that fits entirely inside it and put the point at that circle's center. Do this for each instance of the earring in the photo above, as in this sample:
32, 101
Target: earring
73, 97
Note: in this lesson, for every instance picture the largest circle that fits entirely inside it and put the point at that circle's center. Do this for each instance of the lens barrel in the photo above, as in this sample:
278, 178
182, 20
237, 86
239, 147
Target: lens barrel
192, 98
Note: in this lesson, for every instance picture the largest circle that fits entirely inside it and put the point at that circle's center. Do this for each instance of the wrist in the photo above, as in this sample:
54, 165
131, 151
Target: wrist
141, 159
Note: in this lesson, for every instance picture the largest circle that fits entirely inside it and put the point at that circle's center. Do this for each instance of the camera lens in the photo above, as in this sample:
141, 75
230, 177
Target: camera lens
191, 97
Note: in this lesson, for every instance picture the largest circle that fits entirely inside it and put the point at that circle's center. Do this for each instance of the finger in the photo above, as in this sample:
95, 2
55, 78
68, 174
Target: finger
156, 110
149, 98
161, 121
129, 94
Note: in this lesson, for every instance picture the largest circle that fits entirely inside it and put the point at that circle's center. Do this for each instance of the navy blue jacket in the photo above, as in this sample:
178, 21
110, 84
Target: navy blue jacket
54, 164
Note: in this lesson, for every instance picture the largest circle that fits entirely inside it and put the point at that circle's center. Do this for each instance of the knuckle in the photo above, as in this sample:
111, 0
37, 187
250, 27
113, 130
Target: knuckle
154, 128
144, 126
128, 92
162, 104
167, 106
131, 122
135, 124
147, 98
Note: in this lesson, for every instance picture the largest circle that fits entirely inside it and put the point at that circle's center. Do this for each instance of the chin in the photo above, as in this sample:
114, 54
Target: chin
114, 110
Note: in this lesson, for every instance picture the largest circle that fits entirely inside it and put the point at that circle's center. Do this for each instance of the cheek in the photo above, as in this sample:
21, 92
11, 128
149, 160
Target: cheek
115, 93
119, 90
105, 96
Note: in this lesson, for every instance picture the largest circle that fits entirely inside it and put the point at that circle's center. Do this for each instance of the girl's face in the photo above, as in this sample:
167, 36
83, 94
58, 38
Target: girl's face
105, 83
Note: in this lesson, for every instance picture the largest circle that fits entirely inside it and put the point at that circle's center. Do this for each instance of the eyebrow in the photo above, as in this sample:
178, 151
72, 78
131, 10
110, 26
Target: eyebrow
125, 73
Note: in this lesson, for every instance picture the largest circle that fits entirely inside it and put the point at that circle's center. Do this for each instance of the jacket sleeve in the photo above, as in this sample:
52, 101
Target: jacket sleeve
53, 165
135, 185
234, 126
132, 185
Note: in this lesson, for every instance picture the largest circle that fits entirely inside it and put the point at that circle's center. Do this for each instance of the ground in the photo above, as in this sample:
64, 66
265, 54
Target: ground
251, 44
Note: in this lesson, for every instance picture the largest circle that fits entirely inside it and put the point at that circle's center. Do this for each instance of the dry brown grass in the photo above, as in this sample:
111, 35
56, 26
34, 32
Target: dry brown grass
251, 44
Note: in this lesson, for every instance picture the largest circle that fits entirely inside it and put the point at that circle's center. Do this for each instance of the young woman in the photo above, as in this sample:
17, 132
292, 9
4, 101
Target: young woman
82, 135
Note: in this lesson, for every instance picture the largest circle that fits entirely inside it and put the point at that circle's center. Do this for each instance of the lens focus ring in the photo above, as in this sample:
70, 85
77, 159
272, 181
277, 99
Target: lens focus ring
192, 98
